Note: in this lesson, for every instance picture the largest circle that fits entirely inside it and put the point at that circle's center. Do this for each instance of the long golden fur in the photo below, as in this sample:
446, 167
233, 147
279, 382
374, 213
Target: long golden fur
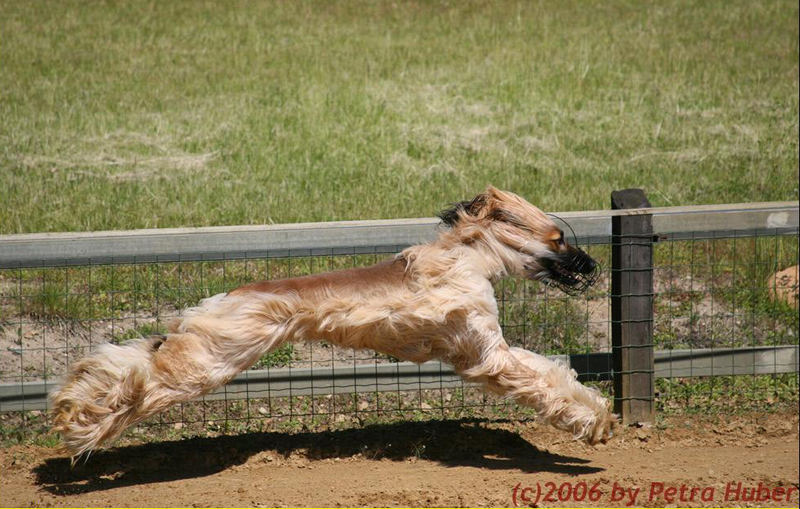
432, 301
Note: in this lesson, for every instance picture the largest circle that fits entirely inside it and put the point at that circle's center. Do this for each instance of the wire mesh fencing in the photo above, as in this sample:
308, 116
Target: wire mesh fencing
53, 316
728, 303
725, 333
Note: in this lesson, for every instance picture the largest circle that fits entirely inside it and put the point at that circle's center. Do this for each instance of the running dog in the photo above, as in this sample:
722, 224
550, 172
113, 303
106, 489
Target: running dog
431, 301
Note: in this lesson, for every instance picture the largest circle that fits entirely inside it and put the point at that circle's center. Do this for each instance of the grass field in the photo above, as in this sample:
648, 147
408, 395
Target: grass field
142, 114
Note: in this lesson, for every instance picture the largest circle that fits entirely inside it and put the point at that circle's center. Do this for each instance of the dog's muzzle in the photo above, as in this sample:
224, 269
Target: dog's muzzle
572, 272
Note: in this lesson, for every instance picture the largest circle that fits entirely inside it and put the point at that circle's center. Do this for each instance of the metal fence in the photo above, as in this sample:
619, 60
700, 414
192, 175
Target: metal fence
723, 329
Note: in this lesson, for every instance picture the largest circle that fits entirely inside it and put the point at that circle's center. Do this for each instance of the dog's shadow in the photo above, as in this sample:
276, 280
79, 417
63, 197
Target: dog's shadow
452, 443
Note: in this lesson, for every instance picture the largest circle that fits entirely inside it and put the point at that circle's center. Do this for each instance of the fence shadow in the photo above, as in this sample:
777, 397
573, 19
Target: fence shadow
452, 443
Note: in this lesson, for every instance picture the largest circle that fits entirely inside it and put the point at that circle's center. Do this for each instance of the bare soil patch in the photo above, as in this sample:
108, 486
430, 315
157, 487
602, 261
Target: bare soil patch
435, 463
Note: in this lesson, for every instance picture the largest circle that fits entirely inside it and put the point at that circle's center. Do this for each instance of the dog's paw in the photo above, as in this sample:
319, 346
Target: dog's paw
604, 429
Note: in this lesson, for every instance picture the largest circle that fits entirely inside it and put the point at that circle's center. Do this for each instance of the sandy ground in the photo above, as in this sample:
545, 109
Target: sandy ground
452, 463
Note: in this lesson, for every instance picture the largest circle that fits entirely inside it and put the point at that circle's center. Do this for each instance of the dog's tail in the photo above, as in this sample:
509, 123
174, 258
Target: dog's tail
117, 386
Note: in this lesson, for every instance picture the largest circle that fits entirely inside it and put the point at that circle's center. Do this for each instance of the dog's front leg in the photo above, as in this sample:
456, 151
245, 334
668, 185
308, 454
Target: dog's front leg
535, 381
587, 412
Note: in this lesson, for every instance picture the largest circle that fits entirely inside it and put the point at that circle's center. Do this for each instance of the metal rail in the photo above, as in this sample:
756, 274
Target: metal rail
405, 376
357, 237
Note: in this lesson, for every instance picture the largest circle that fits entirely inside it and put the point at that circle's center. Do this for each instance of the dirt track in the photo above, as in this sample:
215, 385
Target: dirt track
424, 464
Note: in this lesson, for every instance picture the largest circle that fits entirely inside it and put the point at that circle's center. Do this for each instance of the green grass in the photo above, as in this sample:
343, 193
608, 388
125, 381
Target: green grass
144, 330
278, 358
727, 394
141, 114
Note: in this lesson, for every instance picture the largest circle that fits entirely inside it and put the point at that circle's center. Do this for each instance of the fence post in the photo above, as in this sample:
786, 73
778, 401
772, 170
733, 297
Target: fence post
632, 308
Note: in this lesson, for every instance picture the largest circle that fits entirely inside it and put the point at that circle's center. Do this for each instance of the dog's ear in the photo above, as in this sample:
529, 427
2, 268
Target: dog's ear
493, 192
471, 207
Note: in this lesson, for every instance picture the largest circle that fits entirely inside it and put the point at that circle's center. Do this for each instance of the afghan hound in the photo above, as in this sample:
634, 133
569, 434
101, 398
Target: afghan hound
431, 301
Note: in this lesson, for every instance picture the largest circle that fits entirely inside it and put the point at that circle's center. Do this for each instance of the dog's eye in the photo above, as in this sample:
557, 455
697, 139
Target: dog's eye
560, 240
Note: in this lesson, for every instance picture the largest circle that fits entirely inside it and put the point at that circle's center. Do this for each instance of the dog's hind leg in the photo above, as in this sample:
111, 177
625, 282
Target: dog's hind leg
110, 389
119, 385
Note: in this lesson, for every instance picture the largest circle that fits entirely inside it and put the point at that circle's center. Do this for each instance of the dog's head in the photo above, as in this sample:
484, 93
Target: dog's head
529, 242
